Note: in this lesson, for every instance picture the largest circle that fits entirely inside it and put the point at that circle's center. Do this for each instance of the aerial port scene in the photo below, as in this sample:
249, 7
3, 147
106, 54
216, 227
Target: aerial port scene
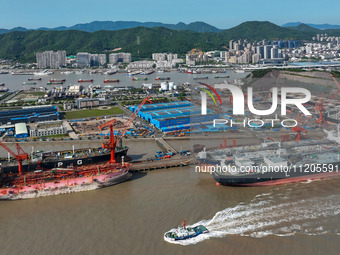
220, 136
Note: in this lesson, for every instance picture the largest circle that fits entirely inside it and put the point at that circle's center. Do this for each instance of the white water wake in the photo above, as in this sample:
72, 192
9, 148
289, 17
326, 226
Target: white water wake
269, 214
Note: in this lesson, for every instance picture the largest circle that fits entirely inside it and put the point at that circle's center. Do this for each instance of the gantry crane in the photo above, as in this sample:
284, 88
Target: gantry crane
299, 130
111, 144
20, 155
320, 106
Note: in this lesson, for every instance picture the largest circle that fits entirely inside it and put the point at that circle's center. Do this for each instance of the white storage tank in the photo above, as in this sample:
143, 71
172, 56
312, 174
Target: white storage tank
164, 86
171, 85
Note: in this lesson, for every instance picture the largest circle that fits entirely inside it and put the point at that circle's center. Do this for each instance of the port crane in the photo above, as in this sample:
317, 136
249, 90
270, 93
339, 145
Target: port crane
320, 106
111, 144
299, 130
20, 155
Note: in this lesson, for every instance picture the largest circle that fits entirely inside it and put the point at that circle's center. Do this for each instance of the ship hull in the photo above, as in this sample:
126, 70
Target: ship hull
65, 186
66, 162
268, 179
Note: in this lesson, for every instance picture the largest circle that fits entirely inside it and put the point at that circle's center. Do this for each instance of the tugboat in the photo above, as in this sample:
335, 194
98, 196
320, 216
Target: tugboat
182, 233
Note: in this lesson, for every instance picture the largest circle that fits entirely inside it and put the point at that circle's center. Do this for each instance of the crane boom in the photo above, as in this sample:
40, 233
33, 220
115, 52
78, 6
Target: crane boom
20, 155
112, 143
320, 106
100, 127
133, 116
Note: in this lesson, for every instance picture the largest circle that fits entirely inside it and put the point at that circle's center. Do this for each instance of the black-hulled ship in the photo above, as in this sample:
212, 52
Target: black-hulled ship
273, 163
48, 159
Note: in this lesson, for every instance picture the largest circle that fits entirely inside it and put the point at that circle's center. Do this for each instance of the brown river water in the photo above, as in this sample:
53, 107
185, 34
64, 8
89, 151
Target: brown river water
132, 217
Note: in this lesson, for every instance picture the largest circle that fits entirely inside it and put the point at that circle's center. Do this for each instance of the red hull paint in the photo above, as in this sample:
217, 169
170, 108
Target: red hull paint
289, 180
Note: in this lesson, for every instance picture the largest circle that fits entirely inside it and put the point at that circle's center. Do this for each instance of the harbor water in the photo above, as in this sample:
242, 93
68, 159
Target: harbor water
132, 217
14, 82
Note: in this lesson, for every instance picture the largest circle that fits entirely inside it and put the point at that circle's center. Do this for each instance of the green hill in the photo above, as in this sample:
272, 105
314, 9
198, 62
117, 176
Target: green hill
22, 46
258, 30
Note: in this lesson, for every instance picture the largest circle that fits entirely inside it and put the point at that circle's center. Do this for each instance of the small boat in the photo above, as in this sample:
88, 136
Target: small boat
110, 72
3, 89
221, 77
147, 72
34, 79
201, 78
29, 83
111, 80
80, 80
55, 80
182, 232
2, 84
139, 78
162, 78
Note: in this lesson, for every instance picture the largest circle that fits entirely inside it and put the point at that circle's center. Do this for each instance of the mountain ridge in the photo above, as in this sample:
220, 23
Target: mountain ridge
325, 26
22, 46
94, 26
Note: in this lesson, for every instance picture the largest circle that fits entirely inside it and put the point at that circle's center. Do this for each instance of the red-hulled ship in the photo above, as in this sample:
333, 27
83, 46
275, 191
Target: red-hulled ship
57, 181
111, 80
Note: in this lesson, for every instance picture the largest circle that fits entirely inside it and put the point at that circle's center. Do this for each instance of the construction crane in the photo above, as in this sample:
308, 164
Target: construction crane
299, 130
20, 155
105, 124
320, 106
111, 144
133, 116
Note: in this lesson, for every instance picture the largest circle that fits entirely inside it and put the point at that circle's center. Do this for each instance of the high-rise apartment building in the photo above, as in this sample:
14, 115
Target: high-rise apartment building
51, 59
122, 57
83, 59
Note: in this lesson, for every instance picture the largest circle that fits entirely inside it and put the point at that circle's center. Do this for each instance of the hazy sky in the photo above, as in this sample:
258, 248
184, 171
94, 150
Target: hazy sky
220, 13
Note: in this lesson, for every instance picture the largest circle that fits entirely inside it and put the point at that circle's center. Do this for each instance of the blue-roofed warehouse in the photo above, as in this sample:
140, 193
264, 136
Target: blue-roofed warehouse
29, 115
174, 115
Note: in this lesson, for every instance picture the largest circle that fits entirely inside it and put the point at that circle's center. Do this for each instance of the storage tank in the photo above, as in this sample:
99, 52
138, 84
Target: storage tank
171, 85
164, 86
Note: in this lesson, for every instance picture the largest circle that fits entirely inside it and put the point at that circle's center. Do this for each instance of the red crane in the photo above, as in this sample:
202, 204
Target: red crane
320, 106
112, 143
20, 155
105, 124
298, 130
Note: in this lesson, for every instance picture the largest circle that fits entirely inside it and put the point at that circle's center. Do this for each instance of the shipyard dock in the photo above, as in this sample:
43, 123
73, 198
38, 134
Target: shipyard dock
161, 164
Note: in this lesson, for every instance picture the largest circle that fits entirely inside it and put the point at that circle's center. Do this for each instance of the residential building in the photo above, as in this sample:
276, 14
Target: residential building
83, 59
120, 57
51, 59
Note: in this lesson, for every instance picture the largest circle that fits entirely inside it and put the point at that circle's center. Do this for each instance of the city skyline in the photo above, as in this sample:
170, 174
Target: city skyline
220, 14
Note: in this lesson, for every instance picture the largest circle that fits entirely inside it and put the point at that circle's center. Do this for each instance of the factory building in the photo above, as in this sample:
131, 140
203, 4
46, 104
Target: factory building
29, 115
174, 115
47, 128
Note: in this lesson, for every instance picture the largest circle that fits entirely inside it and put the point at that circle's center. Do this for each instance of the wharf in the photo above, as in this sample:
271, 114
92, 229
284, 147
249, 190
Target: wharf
164, 163
166, 145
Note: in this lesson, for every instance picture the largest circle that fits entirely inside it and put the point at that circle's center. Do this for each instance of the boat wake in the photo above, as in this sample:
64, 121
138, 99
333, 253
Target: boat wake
273, 214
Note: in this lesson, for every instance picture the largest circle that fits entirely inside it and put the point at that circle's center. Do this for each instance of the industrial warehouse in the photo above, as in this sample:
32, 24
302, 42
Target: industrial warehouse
174, 116
29, 115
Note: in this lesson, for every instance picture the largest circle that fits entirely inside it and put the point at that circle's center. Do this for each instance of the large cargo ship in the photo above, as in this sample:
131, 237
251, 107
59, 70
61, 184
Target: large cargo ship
273, 163
50, 159
62, 180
